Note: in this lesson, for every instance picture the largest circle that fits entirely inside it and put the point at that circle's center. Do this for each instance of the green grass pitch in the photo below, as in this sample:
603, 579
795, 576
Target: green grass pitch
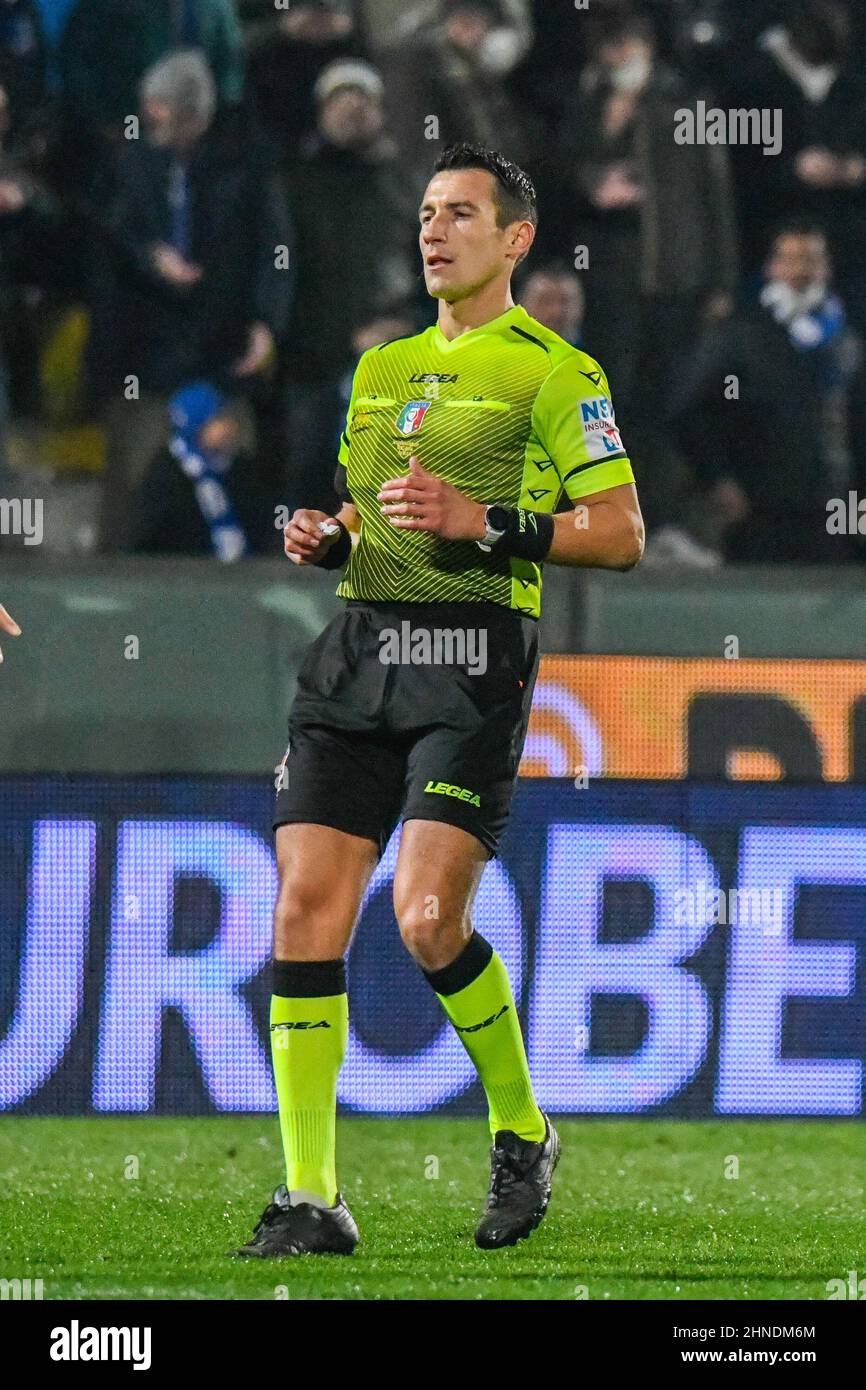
641, 1210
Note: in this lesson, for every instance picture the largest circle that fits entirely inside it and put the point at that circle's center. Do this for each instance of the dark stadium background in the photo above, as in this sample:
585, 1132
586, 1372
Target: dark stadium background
159, 650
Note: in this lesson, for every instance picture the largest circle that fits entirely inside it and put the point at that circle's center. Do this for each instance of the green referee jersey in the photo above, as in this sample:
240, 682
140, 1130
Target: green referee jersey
509, 413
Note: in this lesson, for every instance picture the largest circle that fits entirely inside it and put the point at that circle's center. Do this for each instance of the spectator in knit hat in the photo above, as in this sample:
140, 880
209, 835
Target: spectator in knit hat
201, 285
357, 228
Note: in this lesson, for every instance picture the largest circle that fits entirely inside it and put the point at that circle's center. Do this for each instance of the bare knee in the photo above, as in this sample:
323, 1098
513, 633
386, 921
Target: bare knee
438, 871
313, 919
300, 920
433, 940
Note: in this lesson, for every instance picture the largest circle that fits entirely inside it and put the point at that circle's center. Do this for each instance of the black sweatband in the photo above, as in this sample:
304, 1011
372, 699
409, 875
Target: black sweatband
463, 971
308, 979
528, 535
337, 555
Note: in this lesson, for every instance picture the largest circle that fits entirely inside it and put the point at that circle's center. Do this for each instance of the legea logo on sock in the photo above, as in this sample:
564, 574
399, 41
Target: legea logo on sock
474, 1027
282, 1030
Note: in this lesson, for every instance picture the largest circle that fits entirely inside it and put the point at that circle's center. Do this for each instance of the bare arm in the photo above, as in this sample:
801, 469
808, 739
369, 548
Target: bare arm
605, 531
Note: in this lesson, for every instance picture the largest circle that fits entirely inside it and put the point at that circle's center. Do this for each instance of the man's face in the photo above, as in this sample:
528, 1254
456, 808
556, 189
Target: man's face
799, 261
626, 52
468, 27
463, 248
351, 119
556, 301
220, 434
170, 127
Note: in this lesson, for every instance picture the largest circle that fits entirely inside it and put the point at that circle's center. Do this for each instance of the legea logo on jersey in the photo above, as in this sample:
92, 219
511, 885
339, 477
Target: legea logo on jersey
411, 417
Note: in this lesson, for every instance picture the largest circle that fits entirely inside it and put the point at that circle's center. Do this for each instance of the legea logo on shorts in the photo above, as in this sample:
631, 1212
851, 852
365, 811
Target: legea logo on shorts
437, 646
446, 789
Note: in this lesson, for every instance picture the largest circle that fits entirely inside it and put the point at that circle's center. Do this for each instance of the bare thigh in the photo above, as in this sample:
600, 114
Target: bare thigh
323, 874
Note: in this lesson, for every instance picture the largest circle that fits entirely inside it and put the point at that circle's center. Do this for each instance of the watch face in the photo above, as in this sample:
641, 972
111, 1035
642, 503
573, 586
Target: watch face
497, 518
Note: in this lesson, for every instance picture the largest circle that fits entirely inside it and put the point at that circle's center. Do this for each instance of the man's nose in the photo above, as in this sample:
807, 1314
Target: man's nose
432, 230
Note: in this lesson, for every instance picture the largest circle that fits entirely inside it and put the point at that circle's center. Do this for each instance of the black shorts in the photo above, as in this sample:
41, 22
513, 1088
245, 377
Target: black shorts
410, 710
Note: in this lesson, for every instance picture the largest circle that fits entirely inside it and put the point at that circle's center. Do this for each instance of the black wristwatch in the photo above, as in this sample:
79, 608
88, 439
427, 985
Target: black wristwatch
496, 521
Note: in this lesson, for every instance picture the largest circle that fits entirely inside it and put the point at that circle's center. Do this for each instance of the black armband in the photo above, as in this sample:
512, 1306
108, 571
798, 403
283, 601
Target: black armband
528, 535
337, 555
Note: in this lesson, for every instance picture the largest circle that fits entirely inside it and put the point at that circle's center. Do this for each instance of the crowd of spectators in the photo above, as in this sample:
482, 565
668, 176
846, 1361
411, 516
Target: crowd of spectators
208, 210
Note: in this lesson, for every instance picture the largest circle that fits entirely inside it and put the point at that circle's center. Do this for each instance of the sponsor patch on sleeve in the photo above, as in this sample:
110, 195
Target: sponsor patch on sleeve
599, 428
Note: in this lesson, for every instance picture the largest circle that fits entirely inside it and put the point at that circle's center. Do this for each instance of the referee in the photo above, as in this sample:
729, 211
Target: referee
413, 704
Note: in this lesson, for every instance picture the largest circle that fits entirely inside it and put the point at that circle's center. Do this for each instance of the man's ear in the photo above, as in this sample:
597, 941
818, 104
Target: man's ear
522, 239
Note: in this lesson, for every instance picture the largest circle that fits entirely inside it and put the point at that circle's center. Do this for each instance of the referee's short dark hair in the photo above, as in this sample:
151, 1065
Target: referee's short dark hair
516, 198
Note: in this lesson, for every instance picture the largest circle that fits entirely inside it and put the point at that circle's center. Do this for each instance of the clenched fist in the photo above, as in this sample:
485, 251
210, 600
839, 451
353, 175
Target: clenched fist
305, 541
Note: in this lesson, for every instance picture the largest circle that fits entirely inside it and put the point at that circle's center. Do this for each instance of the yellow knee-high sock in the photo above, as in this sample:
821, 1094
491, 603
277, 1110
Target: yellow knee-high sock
309, 1033
475, 993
